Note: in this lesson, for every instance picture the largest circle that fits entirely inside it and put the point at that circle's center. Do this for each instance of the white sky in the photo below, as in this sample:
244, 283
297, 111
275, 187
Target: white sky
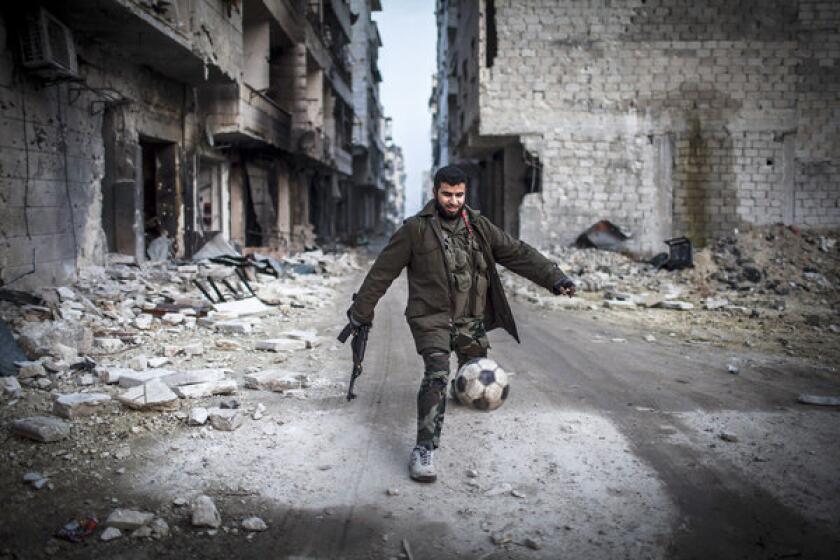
407, 61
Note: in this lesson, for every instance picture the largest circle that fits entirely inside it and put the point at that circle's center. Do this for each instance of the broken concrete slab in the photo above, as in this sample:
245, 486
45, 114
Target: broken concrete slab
249, 307
153, 395
254, 524
225, 419
170, 350
128, 518
132, 378
65, 293
44, 429
201, 390
37, 338
64, 352
619, 304
280, 345
158, 361
226, 344
110, 533
276, 380
204, 513
113, 374
173, 318
711, 303
143, 321
191, 377
74, 405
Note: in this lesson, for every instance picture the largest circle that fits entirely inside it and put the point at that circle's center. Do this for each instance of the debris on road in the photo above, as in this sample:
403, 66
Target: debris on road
44, 429
254, 524
204, 513
820, 400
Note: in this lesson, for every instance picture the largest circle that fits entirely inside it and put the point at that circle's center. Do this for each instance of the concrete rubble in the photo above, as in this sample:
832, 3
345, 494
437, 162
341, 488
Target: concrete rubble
204, 513
44, 429
75, 405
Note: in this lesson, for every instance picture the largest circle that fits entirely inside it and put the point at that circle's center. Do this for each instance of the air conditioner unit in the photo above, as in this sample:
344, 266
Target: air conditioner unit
47, 46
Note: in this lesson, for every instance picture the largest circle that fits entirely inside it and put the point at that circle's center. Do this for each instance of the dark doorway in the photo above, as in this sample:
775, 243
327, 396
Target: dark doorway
159, 183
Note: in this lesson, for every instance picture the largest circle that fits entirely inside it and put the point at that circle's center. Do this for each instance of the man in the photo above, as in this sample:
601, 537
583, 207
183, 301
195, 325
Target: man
454, 294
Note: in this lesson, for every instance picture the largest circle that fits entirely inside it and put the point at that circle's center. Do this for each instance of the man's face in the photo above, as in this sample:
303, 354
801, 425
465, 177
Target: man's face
450, 198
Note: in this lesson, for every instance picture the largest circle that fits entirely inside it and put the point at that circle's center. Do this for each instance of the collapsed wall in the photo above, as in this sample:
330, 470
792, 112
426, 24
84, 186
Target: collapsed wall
667, 117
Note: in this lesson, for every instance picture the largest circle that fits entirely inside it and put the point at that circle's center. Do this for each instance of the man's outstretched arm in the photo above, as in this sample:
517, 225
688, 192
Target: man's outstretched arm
524, 260
388, 265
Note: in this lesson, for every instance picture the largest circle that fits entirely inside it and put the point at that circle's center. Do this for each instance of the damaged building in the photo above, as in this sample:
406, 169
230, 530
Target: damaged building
145, 128
665, 117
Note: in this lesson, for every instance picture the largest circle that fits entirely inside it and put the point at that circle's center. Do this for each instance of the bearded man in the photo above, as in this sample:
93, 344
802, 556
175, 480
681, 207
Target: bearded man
454, 294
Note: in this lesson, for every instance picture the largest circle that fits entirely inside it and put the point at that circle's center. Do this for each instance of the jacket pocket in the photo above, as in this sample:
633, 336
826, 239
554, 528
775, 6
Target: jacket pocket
479, 295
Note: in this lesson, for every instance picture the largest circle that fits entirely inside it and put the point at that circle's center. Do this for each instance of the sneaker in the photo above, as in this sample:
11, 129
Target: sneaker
421, 467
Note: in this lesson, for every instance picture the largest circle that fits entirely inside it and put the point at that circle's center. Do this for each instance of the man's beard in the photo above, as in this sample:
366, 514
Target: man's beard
446, 214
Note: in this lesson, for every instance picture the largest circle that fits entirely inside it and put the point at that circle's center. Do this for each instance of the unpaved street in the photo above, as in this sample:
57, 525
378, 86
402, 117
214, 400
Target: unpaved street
610, 446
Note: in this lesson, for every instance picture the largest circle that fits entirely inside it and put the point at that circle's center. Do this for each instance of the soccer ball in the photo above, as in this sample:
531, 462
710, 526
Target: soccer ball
481, 384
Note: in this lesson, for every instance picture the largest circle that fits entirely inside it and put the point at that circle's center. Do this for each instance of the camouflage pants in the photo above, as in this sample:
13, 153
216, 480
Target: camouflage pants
468, 340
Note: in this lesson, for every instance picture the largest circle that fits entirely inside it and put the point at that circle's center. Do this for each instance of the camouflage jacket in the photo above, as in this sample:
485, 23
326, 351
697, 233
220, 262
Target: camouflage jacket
418, 246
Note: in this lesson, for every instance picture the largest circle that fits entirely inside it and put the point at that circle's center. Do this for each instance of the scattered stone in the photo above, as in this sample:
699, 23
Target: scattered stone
44, 429
249, 307
204, 513
281, 345
254, 524
142, 532
194, 349
676, 305
110, 534
122, 452
108, 345
733, 369
819, 400
31, 369
517, 494
178, 502
231, 404
128, 518
138, 363
74, 405
143, 321
170, 351
226, 344
64, 352
726, 436
159, 527
154, 395
225, 420
233, 327
36, 480
276, 380
37, 338
198, 416
112, 375
86, 379
309, 337
259, 411
503, 488
393, 491
201, 390
648, 300
502, 537
715, 303
65, 293
10, 386
532, 543
173, 318
43, 383
650, 338
472, 473
158, 361
619, 304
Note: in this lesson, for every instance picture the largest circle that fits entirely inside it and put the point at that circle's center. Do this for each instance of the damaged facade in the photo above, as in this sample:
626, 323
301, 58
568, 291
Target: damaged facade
128, 122
665, 117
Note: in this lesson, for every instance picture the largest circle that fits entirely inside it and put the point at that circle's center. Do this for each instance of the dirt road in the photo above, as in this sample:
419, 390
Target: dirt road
609, 447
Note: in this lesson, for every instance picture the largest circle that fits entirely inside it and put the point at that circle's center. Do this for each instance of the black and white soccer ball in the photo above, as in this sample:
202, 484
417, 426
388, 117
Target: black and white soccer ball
481, 384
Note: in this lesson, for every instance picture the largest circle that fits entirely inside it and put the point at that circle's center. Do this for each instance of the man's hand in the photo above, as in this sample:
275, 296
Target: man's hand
354, 321
564, 287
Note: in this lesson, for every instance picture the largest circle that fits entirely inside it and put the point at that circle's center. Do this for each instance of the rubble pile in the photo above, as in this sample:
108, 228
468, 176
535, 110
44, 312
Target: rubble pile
133, 349
776, 273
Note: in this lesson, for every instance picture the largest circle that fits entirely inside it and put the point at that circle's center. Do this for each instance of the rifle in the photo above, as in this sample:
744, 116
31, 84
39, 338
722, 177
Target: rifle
359, 343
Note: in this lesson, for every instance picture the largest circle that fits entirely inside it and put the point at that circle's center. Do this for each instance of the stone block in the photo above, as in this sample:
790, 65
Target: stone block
276, 380
201, 390
74, 405
44, 429
154, 395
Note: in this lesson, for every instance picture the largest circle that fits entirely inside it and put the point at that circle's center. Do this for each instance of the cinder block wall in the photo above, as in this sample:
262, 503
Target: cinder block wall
51, 159
669, 117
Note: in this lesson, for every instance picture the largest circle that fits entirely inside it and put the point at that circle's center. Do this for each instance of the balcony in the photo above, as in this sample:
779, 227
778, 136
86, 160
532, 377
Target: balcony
171, 40
246, 117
